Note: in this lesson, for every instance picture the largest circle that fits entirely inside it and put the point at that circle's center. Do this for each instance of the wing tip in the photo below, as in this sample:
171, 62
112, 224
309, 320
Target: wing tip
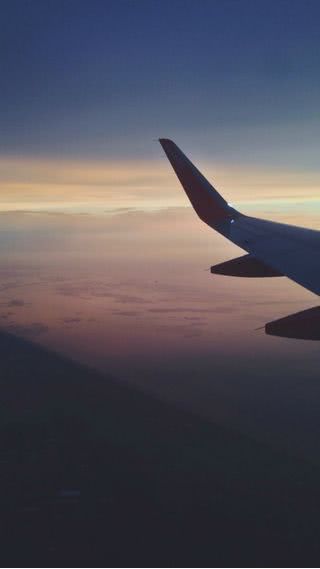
165, 141
210, 206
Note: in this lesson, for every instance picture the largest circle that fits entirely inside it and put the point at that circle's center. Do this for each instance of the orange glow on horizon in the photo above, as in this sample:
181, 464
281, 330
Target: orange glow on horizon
35, 184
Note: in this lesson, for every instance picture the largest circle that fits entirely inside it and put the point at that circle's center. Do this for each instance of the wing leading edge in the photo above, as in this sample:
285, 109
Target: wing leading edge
285, 249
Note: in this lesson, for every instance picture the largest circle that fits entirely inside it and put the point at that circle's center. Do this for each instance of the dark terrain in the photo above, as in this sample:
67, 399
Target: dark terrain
96, 473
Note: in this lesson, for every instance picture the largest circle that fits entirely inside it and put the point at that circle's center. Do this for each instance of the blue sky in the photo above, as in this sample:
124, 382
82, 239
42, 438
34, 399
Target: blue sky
236, 80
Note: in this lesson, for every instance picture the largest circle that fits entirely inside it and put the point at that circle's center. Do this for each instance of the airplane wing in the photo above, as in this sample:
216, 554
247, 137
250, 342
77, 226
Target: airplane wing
273, 249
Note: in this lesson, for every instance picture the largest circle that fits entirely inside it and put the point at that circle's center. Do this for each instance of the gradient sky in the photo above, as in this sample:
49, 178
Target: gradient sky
101, 256
238, 79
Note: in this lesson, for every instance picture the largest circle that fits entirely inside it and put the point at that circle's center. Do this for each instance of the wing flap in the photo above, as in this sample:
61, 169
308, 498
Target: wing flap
244, 266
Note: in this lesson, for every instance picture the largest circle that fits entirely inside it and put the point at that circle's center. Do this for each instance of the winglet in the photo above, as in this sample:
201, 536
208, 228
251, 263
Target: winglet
207, 202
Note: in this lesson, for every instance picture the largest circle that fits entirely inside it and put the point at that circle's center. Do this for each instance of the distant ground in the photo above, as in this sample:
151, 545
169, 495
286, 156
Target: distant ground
96, 473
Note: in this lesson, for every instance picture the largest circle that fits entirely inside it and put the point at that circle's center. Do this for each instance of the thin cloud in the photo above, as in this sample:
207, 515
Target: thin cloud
16, 302
6, 315
72, 320
125, 313
101, 291
32, 330
187, 309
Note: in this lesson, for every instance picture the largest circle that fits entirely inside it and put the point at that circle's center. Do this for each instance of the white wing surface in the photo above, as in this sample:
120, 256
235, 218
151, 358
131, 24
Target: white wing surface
280, 249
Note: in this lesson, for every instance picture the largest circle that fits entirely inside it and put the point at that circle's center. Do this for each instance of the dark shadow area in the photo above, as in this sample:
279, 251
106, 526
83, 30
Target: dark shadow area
303, 325
96, 473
